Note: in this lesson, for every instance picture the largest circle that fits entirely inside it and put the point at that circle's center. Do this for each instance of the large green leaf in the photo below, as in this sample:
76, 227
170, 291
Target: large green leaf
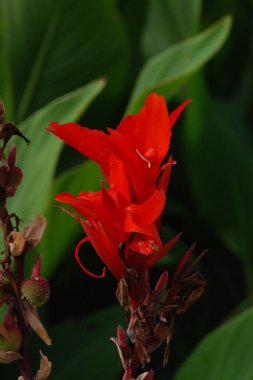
38, 161
54, 47
5, 88
166, 72
225, 354
218, 156
56, 241
81, 348
88, 352
168, 22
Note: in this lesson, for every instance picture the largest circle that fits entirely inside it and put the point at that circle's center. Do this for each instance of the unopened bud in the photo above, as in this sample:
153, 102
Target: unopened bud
127, 374
121, 335
12, 156
10, 178
11, 340
162, 284
15, 176
36, 290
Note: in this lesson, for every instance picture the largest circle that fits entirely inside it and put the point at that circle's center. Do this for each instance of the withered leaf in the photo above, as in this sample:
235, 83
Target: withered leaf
167, 350
122, 293
45, 368
146, 375
16, 243
4, 332
35, 323
142, 353
7, 357
125, 353
121, 356
194, 287
4, 298
3, 281
34, 231
162, 284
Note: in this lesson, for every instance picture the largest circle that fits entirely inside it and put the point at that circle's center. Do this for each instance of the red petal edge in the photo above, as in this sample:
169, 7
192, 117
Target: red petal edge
84, 240
176, 113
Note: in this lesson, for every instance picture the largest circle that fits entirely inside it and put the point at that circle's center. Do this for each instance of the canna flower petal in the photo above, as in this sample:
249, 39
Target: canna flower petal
142, 216
101, 205
150, 128
105, 248
126, 152
128, 213
87, 204
91, 143
165, 249
176, 113
118, 178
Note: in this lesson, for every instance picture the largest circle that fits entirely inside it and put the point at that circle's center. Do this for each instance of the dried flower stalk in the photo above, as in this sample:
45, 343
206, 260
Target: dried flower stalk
19, 295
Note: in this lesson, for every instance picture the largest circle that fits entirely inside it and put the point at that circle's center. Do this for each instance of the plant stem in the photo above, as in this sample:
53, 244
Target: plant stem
15, 281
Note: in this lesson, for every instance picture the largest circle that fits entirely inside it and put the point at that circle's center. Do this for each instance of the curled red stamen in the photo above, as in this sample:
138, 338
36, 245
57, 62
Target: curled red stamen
84, 240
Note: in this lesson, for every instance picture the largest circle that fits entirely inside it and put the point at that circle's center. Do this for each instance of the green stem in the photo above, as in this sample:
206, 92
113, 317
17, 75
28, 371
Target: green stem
24, 364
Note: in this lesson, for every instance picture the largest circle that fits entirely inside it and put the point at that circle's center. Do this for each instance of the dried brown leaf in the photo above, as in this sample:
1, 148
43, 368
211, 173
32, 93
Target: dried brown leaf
4, 298
125, 353
142, 353
194, 287
16, 243
34, 231
122, 293
35, 323
146, 376
4, 332
7, 357
3, 281
45, 368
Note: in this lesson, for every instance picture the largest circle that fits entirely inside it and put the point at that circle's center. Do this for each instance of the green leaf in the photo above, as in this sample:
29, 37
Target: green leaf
88, 352
56, 241
54, 47
38, 160
168, 22
218, 156
81, 348
166, 72
225, 354
5, 88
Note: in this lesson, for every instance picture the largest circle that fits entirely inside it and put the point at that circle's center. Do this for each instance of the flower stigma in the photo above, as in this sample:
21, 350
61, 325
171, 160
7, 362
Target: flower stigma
144, 158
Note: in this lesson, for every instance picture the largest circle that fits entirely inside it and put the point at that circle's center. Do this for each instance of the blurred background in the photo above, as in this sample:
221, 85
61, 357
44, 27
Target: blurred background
93, 62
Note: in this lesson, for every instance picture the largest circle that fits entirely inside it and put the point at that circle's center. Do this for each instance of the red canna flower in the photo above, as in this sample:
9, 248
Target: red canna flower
122, 221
